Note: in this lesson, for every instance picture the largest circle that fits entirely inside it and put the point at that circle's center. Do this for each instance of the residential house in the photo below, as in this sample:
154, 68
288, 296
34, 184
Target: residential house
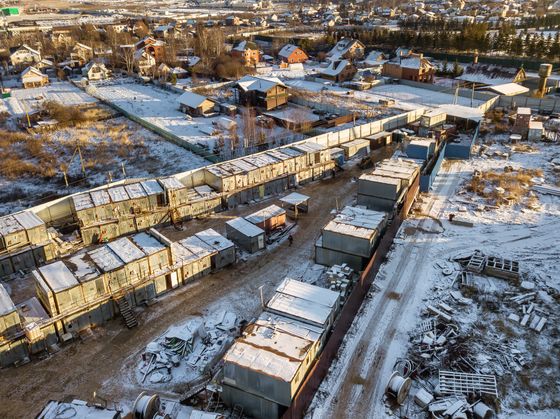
375, 60
267, 93
143, 62
348, 49
81, 53
248, 52
163, 71
165, 31
32, 77
233, 21
61, 36
292, 54
413, 67
152, 46
195, 105
96, 71
24, 56
338, 71
491, 75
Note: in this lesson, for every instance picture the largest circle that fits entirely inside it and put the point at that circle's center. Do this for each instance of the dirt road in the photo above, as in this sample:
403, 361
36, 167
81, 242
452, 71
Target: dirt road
105, 362
359, 382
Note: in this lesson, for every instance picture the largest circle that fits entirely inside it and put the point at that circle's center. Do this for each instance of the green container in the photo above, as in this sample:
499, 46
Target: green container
6, 95
10, 11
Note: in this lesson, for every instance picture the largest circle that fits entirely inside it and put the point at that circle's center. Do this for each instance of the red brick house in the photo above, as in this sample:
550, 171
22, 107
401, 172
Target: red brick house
152, 46
292, 54
413, 67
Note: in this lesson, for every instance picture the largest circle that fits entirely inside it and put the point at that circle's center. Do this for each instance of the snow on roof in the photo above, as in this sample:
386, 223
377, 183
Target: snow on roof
9, 225
464, 112
341, 48
536, 125
192, 100
6, 304
80, 45
28, 220
147, 243
523, 111
171, 183
267, 349
29, 49
414, 63
265, 214
287, 50
105, 259
100, 197
294, 198
181, 254
245, 45
214, 239
245, 227
509, 89
260, 84
82, 201
335, 67
308, 292
118, 194
58, 276
32, 71
357, 222
82, 267
489, 74
291, 326
126, 250
135, 191
78, 409
375, 57
308, 147
299, 308
197, 247
152, 187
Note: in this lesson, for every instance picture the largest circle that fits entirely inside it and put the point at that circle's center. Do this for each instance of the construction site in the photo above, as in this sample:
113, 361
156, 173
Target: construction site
355, 273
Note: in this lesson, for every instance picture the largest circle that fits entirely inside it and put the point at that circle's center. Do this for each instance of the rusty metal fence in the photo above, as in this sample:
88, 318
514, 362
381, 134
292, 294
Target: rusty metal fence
309, 387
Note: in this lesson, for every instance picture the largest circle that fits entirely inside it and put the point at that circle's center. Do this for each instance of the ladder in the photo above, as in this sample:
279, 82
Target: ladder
127, 312
237, 412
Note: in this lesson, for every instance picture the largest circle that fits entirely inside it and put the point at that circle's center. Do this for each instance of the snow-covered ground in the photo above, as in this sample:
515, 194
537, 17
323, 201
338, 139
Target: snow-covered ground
26, 100
160, 108
106, 146
412, 277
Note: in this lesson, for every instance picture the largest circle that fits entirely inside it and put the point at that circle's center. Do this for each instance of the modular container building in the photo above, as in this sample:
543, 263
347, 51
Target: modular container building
287, 157
201, 263
269, 166
269, 218
306, 303
358, 147
175, 192
21, 229
314, 153
245, 234
421, 149
265, 367
433, 118
58, 289
354, 230
136, 262
328, 257
155, 193
39, 332
10, 322
103, 206
225, 248
381, 139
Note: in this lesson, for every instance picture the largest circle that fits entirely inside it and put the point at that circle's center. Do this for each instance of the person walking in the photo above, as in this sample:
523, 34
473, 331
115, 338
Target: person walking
290, 240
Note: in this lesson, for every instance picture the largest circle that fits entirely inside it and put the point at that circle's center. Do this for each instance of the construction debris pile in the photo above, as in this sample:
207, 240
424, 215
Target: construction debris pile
188, 351
340, 278
474, 336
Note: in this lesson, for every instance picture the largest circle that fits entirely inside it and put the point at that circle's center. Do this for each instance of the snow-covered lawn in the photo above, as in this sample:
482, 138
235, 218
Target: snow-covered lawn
26, 100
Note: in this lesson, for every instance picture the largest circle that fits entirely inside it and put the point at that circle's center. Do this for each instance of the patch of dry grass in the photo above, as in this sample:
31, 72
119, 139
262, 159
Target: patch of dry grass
507, 187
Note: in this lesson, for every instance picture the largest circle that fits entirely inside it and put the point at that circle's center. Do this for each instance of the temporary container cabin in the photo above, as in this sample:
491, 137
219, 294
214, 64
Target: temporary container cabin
354, 230
121, 200
136, 262
88, 275
58, 289
103, 205
225, 248
245, 234
419, 148
40, 333
139, 201
265, 367
84, 209
219, 178
21, 229
112, 266
286, 162
358, 147
269, 218
154, 193
315, 153
203, 254
381, 139
304, 302
175, 192
10, 322
185, 260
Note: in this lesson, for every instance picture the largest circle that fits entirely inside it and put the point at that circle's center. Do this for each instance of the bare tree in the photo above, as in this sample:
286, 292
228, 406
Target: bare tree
127, 57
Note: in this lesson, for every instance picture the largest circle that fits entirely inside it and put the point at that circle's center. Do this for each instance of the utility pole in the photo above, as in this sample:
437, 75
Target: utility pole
262, 297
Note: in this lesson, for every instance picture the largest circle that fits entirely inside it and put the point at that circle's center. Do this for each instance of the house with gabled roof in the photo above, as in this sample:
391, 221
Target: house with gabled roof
338, 71
248, 52
32, 77
267, 93
81, 53
347, 49
24, 56
412, 67
292, 54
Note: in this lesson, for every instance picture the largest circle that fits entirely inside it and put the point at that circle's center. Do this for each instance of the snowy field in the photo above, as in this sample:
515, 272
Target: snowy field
106, 146
406, 97
160, 108
415, 276
26, 100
